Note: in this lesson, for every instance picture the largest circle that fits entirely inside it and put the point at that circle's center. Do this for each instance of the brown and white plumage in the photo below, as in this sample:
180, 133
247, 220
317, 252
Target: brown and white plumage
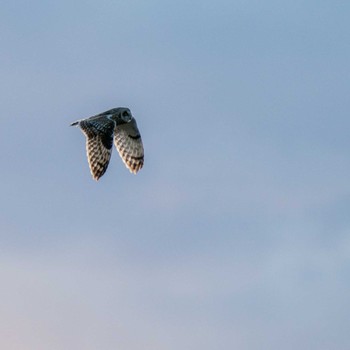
100, 130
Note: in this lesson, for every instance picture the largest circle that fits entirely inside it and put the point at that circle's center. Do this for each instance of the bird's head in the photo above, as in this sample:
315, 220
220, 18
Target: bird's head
124, 114
120, 115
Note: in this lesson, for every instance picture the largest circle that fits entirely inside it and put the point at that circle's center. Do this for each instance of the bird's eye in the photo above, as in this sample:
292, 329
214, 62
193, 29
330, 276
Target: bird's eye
125, 114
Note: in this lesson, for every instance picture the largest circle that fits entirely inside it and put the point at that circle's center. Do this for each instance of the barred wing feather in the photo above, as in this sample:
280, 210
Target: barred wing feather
127, 140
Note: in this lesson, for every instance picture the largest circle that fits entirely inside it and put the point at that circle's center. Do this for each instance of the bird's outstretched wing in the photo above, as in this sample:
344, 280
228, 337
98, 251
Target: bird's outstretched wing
127, 140
99, 141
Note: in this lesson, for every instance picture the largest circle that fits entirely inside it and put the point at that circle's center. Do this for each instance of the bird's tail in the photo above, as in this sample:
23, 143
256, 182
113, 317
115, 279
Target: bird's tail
75, 123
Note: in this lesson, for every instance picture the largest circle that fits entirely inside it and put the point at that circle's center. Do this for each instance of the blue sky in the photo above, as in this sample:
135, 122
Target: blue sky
235, 234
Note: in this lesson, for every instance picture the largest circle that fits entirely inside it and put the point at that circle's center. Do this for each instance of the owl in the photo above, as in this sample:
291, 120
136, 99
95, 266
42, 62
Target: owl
101, 129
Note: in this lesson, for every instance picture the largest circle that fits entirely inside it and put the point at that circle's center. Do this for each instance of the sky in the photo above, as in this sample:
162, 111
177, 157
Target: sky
235, 234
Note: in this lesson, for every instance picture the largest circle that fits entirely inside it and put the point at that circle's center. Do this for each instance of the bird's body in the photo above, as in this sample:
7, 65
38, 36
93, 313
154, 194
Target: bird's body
117, 123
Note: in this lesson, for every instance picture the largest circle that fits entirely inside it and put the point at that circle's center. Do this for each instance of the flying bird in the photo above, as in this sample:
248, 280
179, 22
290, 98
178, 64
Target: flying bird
101, 129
